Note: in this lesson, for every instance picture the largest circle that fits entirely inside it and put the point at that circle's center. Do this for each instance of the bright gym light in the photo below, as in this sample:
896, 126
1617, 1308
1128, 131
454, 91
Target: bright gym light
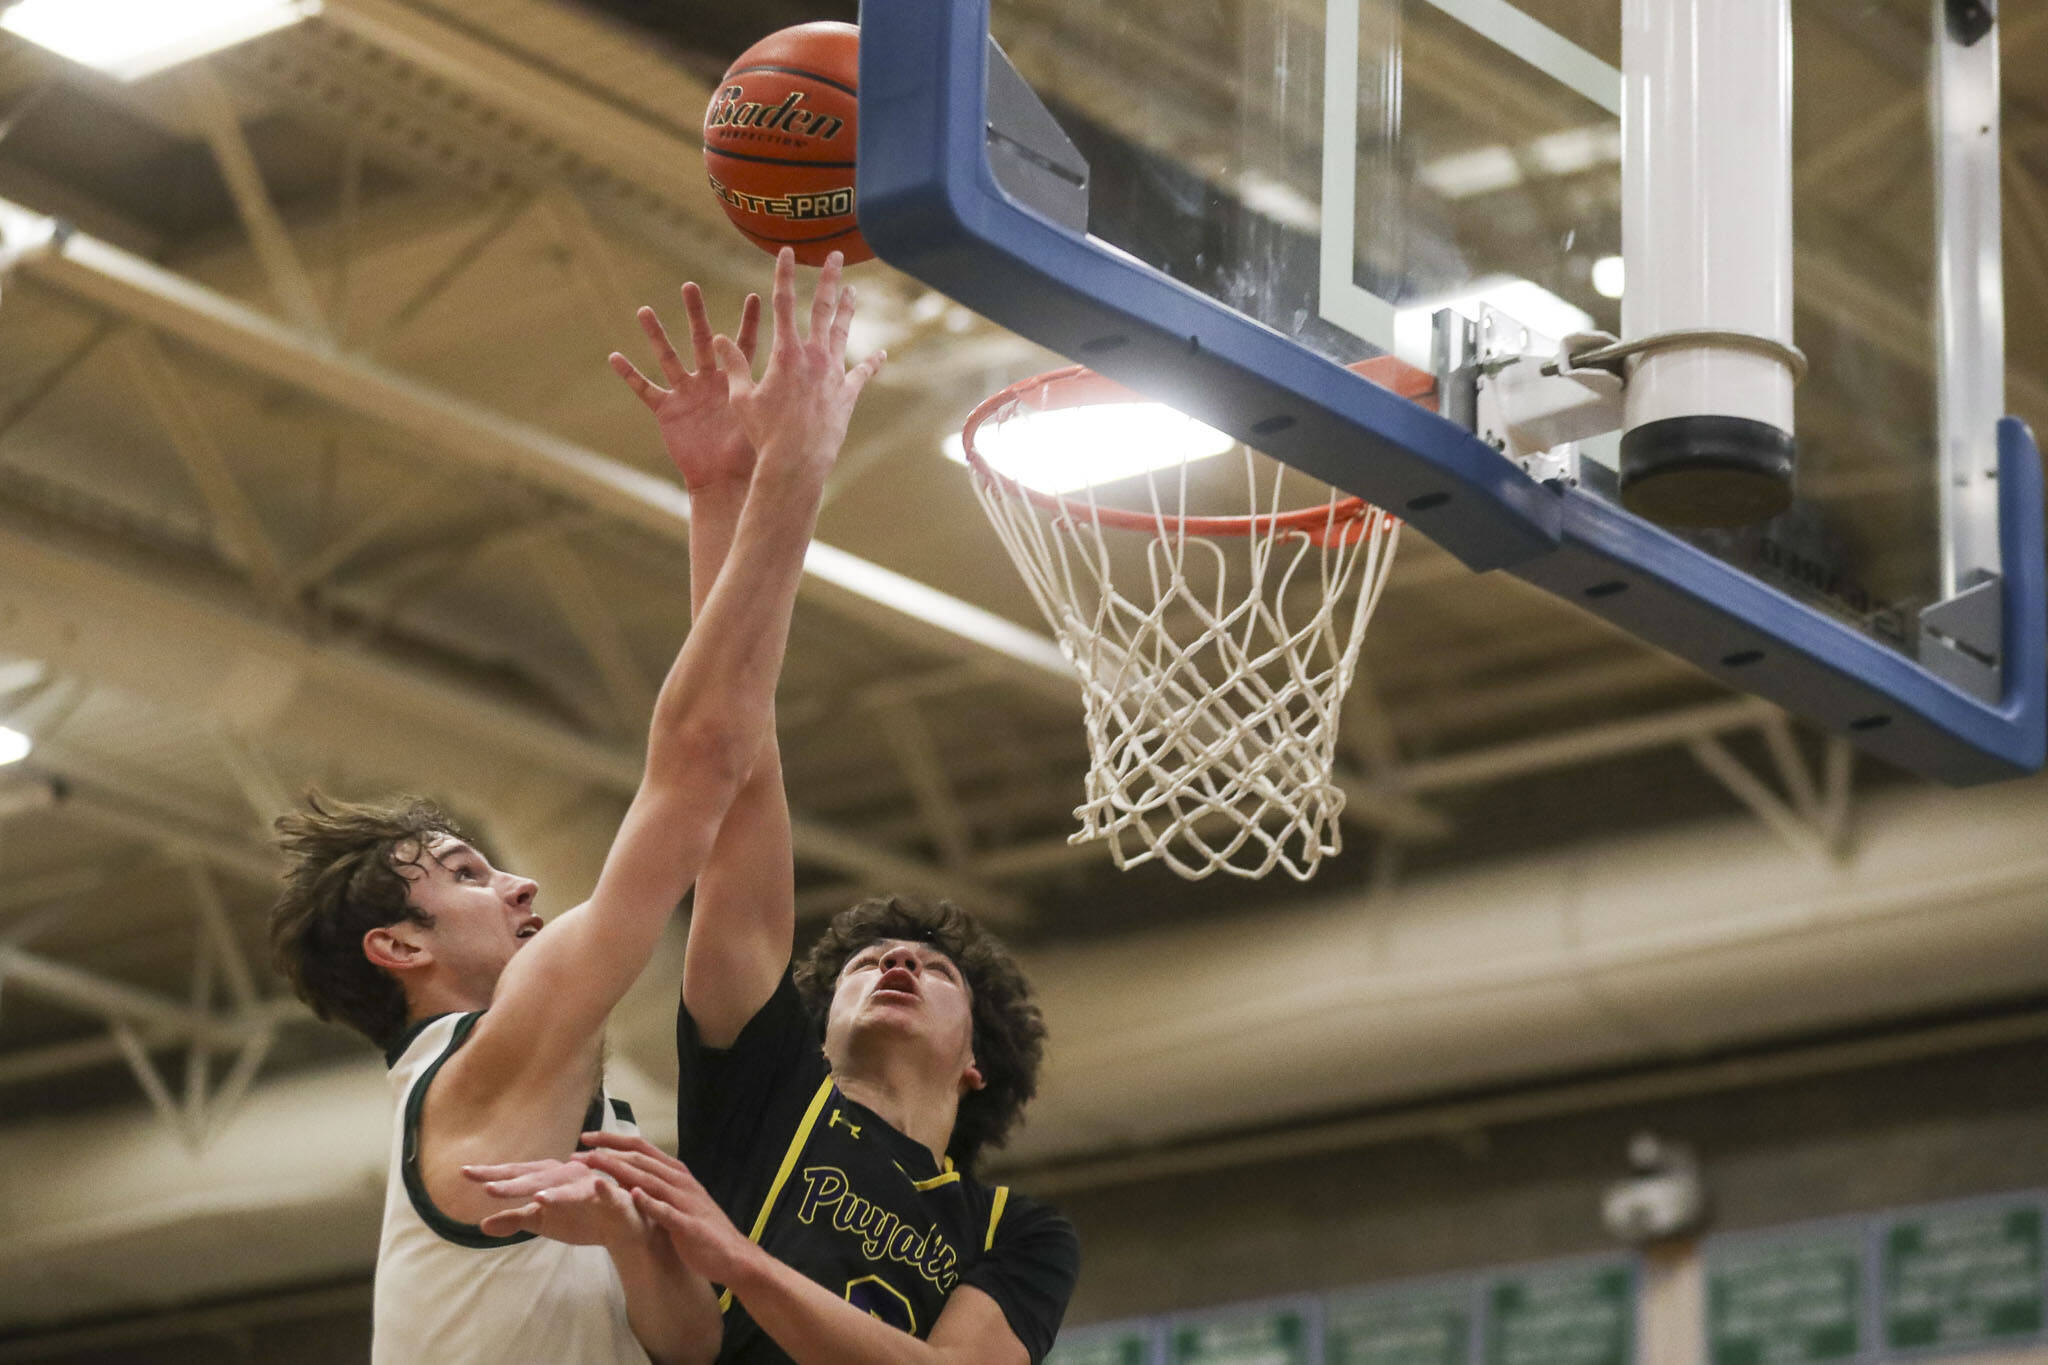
14, 746
1609, 274
1072, 448
129, 39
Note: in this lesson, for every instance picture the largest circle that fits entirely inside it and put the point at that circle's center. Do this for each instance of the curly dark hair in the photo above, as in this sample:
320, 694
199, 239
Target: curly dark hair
1009, 1033
342, 879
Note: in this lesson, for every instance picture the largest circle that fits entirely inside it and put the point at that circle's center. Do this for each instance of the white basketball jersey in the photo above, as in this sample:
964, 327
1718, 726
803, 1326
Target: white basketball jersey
447, 1293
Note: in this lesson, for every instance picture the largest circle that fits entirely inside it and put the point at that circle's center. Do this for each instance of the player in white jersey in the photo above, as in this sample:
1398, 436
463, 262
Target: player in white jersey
393, 922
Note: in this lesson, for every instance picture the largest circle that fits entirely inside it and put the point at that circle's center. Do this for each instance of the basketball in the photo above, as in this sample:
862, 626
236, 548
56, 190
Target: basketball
779, 142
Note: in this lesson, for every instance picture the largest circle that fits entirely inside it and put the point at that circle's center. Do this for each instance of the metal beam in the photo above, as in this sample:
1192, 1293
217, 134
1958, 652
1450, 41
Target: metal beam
91, 993
887, 601
602, 131
917, 758
86, 573
592, 261
214, 111
113, 803
236, 525
32, 893
1764, 803
219, 934
596, 628
1585, 746
21, 1065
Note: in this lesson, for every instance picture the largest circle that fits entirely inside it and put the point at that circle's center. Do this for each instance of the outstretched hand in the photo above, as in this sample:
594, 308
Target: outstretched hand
698, 425
565, 1200
798, 410
669, 1199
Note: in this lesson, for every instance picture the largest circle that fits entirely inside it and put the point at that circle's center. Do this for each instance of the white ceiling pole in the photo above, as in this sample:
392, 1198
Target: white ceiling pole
214, 110
887, 601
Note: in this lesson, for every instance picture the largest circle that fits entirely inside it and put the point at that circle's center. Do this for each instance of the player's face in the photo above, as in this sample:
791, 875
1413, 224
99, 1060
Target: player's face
900, 987
482, 916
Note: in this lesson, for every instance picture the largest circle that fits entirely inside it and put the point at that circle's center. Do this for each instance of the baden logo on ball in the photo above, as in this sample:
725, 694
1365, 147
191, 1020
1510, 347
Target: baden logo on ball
779, 139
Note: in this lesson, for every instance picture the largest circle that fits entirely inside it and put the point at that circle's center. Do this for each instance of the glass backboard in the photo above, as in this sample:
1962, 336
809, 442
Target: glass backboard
1222, 203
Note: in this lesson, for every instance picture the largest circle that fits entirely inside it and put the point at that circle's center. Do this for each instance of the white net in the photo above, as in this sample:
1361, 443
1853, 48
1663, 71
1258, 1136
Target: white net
1214, 651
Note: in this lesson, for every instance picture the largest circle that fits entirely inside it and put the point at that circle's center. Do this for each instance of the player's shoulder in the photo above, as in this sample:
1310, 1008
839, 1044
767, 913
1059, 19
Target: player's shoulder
1018, 1218
429, 1040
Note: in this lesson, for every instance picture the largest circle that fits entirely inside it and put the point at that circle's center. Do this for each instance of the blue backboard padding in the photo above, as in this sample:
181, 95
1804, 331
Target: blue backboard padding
1708, 612
930, 206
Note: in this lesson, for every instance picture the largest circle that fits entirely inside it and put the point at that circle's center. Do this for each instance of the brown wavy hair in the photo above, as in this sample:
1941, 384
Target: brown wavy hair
342, 879
1009, 1032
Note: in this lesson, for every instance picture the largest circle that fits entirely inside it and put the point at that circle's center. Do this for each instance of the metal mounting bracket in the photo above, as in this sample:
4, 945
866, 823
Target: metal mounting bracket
1534, 403
1962, 639
1029, 153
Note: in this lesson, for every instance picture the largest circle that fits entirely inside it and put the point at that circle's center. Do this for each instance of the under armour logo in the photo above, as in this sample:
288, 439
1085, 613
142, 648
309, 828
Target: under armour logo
851, 1126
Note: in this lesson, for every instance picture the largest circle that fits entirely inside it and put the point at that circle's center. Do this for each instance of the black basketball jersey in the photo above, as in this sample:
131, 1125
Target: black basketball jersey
831, 1190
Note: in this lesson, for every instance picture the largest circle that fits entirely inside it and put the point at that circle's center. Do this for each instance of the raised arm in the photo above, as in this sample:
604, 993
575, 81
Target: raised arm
710, 718
743, 914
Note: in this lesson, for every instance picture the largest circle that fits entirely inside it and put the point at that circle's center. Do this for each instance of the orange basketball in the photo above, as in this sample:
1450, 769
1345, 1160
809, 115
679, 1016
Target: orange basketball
779, 140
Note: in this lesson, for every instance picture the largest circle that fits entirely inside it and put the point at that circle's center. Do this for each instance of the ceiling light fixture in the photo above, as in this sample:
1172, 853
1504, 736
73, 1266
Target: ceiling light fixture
1073, 448
14, 746
129, 39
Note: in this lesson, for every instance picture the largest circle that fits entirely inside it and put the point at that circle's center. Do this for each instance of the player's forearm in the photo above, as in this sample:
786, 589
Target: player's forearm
714, 517
716, 704
817, 1327
672, 1310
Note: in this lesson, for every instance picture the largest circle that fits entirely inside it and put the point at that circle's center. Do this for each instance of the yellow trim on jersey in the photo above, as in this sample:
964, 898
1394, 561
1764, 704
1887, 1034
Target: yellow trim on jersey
796, 1145
948, 1178
995, 1215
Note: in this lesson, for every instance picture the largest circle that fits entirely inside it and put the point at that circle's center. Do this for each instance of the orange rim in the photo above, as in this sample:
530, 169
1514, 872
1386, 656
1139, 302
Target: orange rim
1076, 386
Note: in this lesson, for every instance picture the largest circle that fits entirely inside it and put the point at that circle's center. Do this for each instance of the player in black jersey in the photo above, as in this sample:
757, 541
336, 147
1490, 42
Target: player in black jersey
850, 1162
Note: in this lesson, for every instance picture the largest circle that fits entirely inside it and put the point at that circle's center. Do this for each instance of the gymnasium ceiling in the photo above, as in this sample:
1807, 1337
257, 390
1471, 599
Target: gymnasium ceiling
311, 471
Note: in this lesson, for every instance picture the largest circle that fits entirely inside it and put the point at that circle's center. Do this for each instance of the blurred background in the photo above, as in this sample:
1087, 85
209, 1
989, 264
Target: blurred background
312, 473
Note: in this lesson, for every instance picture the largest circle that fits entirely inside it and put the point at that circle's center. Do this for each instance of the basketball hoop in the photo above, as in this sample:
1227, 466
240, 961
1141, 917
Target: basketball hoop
1213, 672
